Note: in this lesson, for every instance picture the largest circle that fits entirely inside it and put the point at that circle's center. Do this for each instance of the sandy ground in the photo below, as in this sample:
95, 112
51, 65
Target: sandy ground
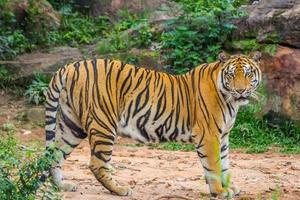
154, 174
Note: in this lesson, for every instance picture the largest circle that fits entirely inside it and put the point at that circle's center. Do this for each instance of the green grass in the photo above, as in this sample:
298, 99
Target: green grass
173, 146
257, 134
170, 146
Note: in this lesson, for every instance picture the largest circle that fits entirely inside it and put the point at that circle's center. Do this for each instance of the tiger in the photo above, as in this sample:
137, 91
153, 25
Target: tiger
100, 99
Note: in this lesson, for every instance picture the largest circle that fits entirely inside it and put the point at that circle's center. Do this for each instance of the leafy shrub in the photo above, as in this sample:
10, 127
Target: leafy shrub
12, 42
21, 169
118, 38
181, 51
77, 29
238, 3
36, 91
6, 78
144, 36
198, 34
114, 43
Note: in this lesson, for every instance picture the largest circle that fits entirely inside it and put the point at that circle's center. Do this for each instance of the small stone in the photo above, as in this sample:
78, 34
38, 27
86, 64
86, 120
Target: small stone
25, 132
287, 163
272, 189
295, 167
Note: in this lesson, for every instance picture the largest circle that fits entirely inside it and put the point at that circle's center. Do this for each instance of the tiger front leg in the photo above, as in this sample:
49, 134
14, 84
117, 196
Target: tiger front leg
225, 162
208, 150
101, 151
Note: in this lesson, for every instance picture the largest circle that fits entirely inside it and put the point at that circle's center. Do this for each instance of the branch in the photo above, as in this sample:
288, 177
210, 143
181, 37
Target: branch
172, 197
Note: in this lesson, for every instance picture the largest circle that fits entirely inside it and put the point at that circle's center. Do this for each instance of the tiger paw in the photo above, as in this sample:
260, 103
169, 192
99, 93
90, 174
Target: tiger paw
236, 190
122, 191
226, 194
69, 187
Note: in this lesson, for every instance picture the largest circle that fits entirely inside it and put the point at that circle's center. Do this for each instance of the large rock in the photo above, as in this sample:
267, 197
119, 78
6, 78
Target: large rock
271, 21
26, 65
111, 7
41, 16
34, 15
282, 75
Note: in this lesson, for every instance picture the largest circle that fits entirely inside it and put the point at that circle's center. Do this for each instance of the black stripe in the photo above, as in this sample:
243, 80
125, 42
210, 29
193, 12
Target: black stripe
224, 156
50, 108
68, 143
218, 127
161, 100
129, 112
106, 112
201, 155
96, 133
224, 147
108, 143
224, 135
96, 98
76, 131
99, 155
98, 120
207, 169
123, 85
50, 135
50, 120
201, 140
139, 80
141, 122
138, 105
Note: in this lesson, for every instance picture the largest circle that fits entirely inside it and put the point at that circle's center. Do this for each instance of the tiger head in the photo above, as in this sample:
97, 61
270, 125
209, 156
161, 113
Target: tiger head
240, 76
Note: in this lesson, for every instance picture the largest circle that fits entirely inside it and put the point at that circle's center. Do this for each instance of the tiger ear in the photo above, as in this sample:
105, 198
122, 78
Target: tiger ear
256, 56
223, 57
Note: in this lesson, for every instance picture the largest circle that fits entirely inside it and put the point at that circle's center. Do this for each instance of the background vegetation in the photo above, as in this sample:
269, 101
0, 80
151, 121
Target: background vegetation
194, 37
21, 168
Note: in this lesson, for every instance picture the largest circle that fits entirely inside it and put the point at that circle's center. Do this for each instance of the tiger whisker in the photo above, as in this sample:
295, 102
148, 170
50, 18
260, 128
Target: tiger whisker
255, 96
258, 94
228, 99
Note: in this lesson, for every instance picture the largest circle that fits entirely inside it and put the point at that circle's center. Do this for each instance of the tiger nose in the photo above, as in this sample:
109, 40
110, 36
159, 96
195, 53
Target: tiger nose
240, 91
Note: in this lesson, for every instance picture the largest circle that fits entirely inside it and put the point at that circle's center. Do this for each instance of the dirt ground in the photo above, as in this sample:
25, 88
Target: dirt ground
158, 175
154, 174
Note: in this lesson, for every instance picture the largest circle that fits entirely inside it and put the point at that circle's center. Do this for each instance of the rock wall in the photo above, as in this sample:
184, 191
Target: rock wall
26, 65
271, 21
111, 7
282, 81
277, 23
35, 15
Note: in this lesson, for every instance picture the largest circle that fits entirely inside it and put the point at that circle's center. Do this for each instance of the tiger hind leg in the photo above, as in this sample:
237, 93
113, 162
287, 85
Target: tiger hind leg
101, 142
68, 135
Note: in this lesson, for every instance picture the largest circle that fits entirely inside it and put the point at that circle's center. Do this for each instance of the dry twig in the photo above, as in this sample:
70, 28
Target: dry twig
175, 197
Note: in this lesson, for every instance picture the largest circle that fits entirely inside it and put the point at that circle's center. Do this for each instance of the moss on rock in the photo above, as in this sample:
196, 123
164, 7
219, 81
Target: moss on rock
248, 45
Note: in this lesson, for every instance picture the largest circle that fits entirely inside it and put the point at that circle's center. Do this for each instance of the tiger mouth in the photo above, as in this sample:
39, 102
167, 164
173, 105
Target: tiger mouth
241, 99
